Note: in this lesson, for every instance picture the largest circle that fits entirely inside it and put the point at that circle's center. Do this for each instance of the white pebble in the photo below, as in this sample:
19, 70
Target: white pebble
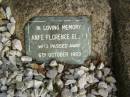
103, 92
91, 79
109, 88
8, 43
53, 63
94, 92
37, 84
106, 71
1, 62
99, 74
82, 82
102, 85
68, 82
6, 34
60, 83
66, 93
60, 68
6, 49
101, 66
26, 59
92, 66
29, 72
12, 20
29, 84
3, 28
47, 95
1, 46
80, 72
90, 95
74, 89
14, 53
71, 71
51, 73
110, 79
43, 94
11, 28
8, 12
82, 93
4, 39
3, 95
50, 86
84, 68
3, 80
19, 77
10, 93
12, 59
3, 88
17, 44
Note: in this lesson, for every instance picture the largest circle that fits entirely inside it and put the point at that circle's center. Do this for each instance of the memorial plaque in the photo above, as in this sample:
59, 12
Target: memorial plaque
64, 38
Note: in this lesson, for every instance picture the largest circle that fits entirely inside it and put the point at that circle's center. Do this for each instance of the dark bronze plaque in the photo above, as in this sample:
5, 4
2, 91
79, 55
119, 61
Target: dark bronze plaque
66, 39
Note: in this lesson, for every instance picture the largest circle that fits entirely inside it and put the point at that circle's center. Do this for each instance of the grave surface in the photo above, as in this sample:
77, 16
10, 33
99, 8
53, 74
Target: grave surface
98, 11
